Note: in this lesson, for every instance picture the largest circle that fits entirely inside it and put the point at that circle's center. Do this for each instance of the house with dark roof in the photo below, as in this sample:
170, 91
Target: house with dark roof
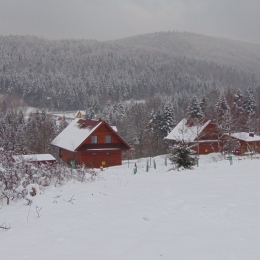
201, 136
93, 143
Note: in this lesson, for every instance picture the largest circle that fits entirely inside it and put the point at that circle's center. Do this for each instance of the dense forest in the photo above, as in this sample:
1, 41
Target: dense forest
143, 84
66, 74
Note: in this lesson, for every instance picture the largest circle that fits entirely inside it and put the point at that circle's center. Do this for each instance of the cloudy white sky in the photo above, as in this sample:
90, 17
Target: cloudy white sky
113, 19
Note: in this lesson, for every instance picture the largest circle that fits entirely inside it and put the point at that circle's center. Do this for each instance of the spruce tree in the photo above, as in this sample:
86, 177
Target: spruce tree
183, 156
249, 109
195, 110
168, 121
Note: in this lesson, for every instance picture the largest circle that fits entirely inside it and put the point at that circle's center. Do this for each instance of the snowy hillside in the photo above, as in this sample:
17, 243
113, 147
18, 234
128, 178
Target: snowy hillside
75, 74
211, 212
225, 52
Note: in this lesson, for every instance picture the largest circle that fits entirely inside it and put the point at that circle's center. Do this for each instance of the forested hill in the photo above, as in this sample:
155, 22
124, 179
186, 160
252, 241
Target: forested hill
226, 52
69, 74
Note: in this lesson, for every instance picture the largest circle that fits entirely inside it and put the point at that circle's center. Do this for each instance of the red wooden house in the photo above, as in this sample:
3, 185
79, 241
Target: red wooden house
93, 143
201, 136
242, 142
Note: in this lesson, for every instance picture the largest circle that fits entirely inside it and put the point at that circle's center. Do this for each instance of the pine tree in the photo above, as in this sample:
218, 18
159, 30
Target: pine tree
183, 156
238, 111
249, 103
203, 105
194, 110
238, 103
222, 116
107, 112
249, 109
167, 121
63, 124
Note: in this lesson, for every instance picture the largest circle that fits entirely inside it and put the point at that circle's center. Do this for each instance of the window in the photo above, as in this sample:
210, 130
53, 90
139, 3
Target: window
93, 139
108, 139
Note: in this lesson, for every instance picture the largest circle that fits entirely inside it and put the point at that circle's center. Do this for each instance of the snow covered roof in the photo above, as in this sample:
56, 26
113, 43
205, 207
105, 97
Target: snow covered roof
80, 111
74, 134
244, 136
34, 157
114, 128
185, 132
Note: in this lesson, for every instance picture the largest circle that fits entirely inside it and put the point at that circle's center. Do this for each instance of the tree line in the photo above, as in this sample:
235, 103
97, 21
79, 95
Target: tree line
143, 124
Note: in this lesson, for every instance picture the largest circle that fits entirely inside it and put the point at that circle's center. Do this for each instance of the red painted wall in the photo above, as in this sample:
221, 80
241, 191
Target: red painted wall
96, 158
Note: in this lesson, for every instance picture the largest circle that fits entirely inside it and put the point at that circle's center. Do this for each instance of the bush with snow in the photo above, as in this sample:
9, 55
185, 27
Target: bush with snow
25, 180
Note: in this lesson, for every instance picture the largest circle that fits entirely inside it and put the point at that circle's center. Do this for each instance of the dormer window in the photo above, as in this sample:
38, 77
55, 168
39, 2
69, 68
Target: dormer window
94, 139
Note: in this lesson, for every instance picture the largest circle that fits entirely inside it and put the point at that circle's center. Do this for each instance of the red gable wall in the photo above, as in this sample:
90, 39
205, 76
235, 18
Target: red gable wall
100, 154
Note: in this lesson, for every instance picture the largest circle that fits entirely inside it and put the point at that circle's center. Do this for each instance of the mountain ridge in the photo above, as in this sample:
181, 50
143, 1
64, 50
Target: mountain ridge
66, 74
188, 45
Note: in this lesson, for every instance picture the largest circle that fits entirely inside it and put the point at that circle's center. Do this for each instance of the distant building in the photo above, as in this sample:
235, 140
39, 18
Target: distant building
243, 142
35, 158
80, 114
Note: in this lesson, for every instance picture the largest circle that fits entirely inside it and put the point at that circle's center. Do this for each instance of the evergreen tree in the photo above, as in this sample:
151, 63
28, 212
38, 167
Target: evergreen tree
183, 156
249, 109
249, 103
237, 111
63, 124
40, 130
195, 110
92, 107
221, 107
107, 112
89, 113
203, 105
238, 103
167, 121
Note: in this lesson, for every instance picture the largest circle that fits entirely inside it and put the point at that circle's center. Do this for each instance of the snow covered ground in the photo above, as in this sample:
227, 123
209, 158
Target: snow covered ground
211, 212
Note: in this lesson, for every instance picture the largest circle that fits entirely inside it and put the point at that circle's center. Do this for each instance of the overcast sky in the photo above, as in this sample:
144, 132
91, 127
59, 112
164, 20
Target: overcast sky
114, 19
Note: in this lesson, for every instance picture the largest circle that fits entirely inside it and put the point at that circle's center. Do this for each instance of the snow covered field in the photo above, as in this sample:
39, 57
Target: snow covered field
211, 212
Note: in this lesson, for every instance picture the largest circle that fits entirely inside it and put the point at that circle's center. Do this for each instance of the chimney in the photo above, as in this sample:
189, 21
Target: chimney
251, 134
81, 125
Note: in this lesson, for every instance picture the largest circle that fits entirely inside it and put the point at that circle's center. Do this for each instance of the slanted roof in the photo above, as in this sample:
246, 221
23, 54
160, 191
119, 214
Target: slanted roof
34, 157
75, 133
79, 130
185, 132
114, 128
244, 136
80, 111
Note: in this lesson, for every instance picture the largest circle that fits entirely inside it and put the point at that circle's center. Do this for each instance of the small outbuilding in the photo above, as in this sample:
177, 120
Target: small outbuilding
35, 158
80, 114
93, 143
